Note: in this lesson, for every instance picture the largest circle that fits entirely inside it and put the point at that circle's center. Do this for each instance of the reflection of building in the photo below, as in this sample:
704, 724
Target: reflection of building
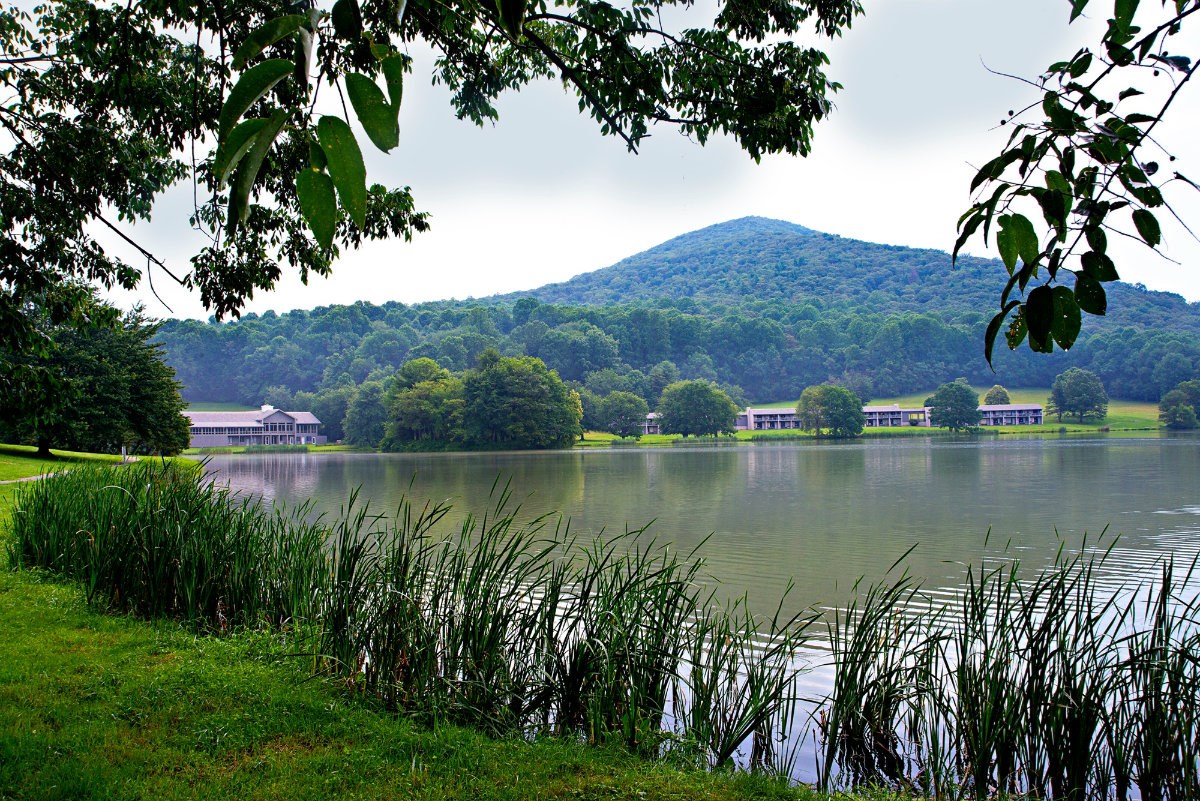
1007, 414
266, 426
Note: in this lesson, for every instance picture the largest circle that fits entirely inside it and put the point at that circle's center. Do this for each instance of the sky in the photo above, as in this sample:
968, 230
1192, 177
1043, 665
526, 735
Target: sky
541, 196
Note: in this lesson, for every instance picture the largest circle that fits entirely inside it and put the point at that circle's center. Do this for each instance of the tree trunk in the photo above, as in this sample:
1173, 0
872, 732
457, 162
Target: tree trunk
43, 450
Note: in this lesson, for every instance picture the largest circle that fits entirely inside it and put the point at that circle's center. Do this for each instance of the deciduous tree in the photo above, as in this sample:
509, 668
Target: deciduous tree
1180, 408
623, 414
695, 408
108, 105
955, 406
98, 387
1079, 392
831, 408
996, 396
516, 402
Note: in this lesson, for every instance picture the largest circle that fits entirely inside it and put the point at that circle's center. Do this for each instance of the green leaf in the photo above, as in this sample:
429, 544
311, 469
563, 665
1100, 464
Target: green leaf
1021, 237
266, 35
316, 156
347, 19
1130, 92
1080, 65
1017, 329
1090, 295
1006, 242
1147, 227
240, 140
393, 74
1067, 319
1099, 266
345, 166
1096, 238
1039, 318
254, 83
1123, 11
1077, 7
993, 329
318, 205
376, 116
243, 181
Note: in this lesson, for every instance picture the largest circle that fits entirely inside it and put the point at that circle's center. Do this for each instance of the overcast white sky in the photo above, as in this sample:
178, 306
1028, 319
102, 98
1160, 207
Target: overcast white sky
541, 196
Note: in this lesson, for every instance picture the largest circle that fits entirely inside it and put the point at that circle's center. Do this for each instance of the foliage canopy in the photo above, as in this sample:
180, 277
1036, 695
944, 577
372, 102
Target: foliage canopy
955, 405
1082, 165
113, 103
831, 408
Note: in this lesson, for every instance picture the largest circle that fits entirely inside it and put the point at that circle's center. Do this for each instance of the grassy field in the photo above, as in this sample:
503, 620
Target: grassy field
221, 407
93, 706
22, 461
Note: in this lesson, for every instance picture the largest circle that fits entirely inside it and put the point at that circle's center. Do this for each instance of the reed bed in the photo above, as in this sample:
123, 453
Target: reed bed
1046, 687
514, 628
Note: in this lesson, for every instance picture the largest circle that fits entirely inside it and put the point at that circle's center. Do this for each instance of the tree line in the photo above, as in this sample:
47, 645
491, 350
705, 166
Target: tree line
759, 351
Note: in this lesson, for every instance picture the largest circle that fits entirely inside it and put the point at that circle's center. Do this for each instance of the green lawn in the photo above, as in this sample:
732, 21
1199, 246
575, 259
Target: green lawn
22, 461
95, 706
221, 407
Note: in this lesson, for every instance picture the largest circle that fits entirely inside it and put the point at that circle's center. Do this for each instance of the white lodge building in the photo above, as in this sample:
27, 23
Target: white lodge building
267, 426
1008, 414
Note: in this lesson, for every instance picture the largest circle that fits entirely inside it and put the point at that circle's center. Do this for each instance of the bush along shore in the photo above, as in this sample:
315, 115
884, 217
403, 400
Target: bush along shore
1051, 686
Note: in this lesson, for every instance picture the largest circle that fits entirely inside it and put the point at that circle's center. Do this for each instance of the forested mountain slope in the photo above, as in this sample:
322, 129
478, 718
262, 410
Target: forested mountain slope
760, 259
761, 305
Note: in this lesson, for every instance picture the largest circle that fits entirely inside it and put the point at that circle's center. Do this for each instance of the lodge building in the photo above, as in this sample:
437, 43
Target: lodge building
777, 419
265, 426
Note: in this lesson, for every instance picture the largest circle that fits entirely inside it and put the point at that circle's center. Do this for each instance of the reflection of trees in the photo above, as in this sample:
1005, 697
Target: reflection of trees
289, 477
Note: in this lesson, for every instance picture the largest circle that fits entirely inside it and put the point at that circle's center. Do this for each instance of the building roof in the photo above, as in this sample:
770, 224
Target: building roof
1011, 407
247, 419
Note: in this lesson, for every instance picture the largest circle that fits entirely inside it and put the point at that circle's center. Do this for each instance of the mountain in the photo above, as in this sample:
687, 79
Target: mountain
763, 305
760, 259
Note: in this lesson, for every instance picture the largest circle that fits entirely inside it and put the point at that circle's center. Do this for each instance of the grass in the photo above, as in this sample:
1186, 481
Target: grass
22, 461
99, 706
517, 630
221, 407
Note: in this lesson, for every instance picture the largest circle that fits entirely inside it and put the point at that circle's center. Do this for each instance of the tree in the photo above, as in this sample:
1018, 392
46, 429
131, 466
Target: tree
1180, 408
623, 414
695, 407
429, 411
955, 406
366, 416
415, 371
833, 408
996, 396
107, 105
97, 388
1079, 392
1087, 160
516, 402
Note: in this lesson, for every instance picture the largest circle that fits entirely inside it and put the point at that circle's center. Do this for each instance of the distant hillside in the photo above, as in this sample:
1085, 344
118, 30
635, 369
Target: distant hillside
765, 307
759, 259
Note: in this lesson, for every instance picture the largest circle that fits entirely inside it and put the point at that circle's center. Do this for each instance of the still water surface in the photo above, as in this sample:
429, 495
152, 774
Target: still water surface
821, 514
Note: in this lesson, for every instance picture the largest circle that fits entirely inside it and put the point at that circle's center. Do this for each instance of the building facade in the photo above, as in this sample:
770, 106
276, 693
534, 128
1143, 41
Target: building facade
266, 426
1011, 414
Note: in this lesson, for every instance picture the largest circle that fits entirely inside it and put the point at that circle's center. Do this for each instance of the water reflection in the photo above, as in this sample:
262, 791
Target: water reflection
822, 514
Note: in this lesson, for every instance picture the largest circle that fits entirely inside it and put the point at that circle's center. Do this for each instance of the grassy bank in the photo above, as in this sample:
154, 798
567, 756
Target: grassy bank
519, 632
97, 706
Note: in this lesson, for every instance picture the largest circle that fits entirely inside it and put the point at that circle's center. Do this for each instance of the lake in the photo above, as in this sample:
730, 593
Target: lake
819, 514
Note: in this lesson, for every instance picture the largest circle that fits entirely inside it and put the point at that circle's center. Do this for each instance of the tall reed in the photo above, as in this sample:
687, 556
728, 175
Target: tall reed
1050, 685
511, 627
